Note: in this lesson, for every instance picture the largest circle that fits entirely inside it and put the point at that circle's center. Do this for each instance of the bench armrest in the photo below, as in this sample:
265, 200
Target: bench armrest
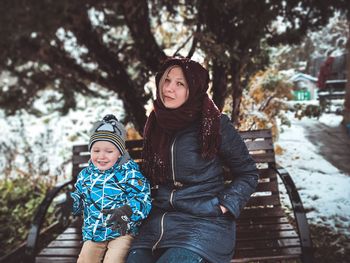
299, 214
38, 220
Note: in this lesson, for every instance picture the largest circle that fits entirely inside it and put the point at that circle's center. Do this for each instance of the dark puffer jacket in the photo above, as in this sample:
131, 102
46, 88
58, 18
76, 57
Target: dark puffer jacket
186, 211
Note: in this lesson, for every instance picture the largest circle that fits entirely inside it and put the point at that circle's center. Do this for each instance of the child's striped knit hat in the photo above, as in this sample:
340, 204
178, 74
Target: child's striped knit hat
110, 130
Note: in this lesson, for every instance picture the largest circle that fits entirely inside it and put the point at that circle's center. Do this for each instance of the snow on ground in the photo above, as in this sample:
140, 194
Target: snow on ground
324, 189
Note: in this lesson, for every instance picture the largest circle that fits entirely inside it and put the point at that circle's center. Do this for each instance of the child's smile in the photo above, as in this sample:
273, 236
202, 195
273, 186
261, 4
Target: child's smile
104, 155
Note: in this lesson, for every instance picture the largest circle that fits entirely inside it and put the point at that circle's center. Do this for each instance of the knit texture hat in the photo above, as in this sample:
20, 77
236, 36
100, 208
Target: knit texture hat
110, 130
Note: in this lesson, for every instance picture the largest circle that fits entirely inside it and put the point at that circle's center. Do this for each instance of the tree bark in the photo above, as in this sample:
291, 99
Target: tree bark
137, 19
236, 92
219, 85
120, 81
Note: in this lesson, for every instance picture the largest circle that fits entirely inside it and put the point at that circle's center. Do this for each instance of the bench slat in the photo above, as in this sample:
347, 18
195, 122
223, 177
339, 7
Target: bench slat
267, 173
266, 254
72, 236
130, 144
80, 148
71, 230
264, 227
258, 221
66, 243
136, 155
259, 145
263, 200
80, 159
56, 259
263, 133
59, 252
264, 157
266, 235
266, 187
268, 244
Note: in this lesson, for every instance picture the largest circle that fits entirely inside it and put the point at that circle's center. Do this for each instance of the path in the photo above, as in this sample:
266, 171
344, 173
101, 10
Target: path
333, 143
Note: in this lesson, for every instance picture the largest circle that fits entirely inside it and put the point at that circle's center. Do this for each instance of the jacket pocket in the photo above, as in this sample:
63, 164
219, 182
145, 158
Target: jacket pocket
204, 206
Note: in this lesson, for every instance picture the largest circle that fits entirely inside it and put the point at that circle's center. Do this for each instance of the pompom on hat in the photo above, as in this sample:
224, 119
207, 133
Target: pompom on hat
110, 130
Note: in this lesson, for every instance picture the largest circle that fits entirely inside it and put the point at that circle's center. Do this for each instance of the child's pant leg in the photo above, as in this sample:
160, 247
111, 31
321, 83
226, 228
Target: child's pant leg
92, 252
118, 249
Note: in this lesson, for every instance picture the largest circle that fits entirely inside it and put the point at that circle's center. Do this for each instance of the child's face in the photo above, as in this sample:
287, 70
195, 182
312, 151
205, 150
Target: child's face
104, 155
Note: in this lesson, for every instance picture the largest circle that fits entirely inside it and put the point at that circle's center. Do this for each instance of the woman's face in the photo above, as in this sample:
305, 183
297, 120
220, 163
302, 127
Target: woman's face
174, 91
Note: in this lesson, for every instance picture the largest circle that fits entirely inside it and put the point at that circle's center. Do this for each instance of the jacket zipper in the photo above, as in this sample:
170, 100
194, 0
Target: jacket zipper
171, 197
172, 172
161, 232
173, 161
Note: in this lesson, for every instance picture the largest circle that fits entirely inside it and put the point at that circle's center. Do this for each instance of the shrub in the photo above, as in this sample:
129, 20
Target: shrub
264, 102
19, 199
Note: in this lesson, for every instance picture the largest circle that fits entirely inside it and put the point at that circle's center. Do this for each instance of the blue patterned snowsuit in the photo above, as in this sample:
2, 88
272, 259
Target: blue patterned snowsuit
115, 187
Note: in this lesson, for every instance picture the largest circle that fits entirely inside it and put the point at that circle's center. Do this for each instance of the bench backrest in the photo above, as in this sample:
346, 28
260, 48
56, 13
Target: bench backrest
260, 146
266, 199
81, 154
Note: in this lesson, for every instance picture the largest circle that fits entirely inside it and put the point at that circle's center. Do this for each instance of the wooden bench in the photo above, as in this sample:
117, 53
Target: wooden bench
264, 231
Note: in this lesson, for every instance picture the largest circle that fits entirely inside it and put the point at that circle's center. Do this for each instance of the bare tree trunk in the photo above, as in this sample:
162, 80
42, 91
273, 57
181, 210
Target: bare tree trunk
118, 78
346, 114
236, 93
236, 101
137, 19
219, 85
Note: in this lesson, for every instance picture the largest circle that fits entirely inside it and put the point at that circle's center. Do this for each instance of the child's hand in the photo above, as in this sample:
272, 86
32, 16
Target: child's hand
119, 218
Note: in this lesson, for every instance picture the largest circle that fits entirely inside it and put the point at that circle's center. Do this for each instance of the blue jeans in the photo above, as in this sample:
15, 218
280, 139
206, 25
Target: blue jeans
170, 255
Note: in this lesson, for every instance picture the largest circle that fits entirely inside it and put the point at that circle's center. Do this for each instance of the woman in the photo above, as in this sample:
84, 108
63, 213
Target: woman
186, 142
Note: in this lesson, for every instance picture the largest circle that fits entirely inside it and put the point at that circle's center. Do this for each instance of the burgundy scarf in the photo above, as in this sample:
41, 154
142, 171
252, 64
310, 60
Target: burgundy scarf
163, 123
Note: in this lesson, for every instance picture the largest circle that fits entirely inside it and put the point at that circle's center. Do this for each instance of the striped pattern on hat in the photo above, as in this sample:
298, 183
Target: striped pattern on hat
109, 137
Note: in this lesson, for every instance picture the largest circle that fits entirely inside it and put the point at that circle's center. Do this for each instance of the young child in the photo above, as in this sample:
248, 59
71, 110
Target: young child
113, 195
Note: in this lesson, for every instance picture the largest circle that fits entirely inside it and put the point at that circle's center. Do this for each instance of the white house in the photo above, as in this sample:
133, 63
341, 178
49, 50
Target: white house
305, 82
